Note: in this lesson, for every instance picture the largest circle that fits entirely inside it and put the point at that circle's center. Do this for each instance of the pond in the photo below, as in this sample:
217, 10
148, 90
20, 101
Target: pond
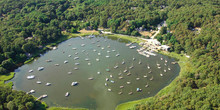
107, 72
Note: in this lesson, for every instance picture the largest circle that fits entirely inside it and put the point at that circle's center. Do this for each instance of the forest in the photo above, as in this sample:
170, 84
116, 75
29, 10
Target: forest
27, 26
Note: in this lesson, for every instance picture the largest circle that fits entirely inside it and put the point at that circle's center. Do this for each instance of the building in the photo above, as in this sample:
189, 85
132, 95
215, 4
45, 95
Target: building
153, 42
165, 47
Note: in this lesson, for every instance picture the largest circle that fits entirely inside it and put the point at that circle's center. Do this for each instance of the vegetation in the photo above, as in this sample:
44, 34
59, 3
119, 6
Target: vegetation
63, 108
29, 27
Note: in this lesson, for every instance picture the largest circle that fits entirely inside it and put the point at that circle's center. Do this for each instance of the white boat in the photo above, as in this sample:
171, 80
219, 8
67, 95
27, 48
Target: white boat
106, 79
137, 78
109, 90
66, 61
112, 81
158, 67
83, 50
147, 85
76, 58
91, 78
97, 59
107, 56
76, 68
129, 44
111, 76
165, 61
133, 58
30, 71
129, 73
94, 50
54, 48
76, 53
32, 91
130, 93
87, 59
82, 45
169, 69
109, 46
108, 51
145, 76
98, 45
116, 66
123, 62
89, 63
148, 67
49, 60
165, 70
56, 64
48, 84
139, 62
98, 72
106, 84
117, 55
38, 82
67, 94
120, 77
69, 55
132, 66
161, 74
132, 47
44, 96
74, 48
121, 87
113, 50
74, 83
69, 72
99, 53
102, 48
126, 70
152, 78
161, 58
31, 77
76, 63
40, 68
128, 82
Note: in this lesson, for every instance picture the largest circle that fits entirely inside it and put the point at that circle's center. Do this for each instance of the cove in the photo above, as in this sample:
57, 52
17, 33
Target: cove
102, 80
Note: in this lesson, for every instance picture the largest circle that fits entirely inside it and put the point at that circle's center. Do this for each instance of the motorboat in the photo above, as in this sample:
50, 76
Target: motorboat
30, 71
65, 61
31, 77
40, 68
67, 94
48, 84
74, 83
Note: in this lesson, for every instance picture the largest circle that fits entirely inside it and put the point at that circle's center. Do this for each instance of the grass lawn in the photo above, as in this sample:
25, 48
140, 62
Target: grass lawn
185, 65
125, 37
6, 77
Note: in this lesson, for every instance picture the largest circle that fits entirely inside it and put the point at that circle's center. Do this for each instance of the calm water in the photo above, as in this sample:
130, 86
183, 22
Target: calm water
94, 94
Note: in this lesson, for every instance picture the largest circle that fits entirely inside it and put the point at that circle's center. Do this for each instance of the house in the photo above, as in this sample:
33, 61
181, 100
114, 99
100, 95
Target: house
154, 42
165, 47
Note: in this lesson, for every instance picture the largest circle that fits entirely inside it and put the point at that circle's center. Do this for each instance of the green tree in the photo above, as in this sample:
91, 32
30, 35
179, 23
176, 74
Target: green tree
3, 71
28, 47
73, 30
11, 105
29, 105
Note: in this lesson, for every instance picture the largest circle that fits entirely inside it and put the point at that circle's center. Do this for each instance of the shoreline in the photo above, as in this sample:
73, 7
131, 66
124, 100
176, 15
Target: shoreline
67, 36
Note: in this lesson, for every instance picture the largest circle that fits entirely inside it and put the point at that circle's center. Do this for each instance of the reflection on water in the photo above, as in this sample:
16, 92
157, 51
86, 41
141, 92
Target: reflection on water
104, 80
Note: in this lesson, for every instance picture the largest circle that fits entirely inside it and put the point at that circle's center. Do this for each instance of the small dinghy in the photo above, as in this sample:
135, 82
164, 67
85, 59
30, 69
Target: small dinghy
67, 94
